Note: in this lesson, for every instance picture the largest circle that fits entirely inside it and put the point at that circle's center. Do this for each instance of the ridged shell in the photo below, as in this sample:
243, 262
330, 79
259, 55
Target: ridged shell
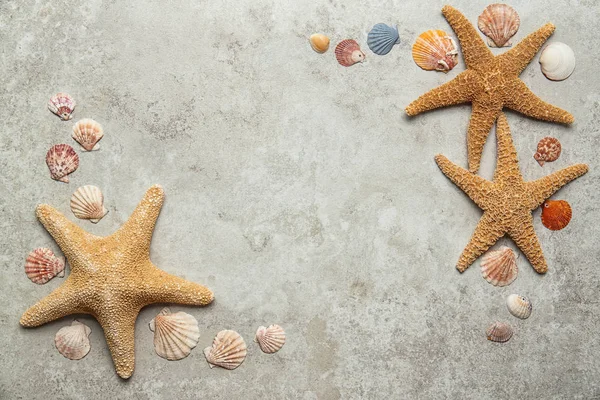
557, 61
556, 214
382, 38
227, 351
499, 332
435, 50
270, 339
42, 265
61, 160
499, 267
319, 43
499, 22
87, 202
548, 150
175, 334
87, 133
62, 105
348, 53
73, 341
519, 306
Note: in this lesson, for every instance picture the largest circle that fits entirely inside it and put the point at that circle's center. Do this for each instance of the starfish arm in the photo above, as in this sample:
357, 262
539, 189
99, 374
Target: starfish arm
66, 234
119, 334
482, 119
459, 90
474, 50
524, 101
473, 185
63, 301
486, 234
516, 59
508, 161
163, 287
524, 236
541, 189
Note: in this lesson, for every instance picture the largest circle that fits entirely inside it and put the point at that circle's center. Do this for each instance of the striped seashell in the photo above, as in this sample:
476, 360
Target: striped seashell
348, 53
499, 22
87, 202
61, 160
499, 332
62, 105
227, 351
270, 339
175, 334
382, 39
499, 267
435, 50
519, 306
87, 133
556, 214
73, 341
42, 265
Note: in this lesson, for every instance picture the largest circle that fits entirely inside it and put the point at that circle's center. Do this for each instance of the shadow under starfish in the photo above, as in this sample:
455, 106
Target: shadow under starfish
490, 83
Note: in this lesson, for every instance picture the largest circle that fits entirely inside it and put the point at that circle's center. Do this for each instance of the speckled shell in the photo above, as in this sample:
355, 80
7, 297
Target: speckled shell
556, 214
548, 149
62, 105
519, 306
87, 202
319, 43
499, 22
382, 39
227, 351
348, 53
270, 339
61, 160
557, 61
175, 335
87, 133
499, 332
42, 265
73, 341
499, 267
435, 50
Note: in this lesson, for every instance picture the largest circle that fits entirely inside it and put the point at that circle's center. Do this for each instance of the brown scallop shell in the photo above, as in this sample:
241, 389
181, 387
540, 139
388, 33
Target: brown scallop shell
556, 214
61, 160
548, 150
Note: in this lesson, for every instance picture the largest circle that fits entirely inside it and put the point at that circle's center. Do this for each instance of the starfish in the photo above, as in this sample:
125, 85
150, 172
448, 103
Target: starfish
507, 201
490, 83
112, 278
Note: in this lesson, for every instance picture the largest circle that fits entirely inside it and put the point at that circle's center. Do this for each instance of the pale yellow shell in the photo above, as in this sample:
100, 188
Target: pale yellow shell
499, 22
87, 202
87, 133
175, 334
227, 351
270, 339
499, 267
73, 341
319, 43
499, 332
519, 306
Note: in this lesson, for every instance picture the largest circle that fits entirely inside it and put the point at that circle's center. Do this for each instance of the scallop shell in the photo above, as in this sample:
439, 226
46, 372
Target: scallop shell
519, 306
348, 53
227, 351
87, 133
499, 332
557, 61
499, 267
73, 341
499, 22
42, 265
62, 105
175, 334
435, 50
382, 38
61, 160
548, 149
556, 214
319, 43
87, 202
270, 339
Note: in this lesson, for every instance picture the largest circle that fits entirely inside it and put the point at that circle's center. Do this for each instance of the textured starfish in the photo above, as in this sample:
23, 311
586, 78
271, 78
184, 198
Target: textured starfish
112, 278
490, 83
507, 201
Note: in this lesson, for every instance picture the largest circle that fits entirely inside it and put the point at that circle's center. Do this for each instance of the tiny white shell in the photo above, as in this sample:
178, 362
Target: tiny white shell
557, 61
73, 341
87, 202
270, 339
227, 351
175, 334
519, 306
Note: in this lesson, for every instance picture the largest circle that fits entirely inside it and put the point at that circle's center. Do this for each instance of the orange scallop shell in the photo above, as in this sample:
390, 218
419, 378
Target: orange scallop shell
435, 50
556, 214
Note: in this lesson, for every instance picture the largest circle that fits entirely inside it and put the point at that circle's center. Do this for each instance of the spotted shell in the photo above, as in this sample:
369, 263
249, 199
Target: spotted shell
319, 43
382, 38
61, 160
348, 53
270, 339
87, 133
548, 149
73, 341
499, 332
227, 351
87, 202
519, 306
556, 214
42, 265
499, 267
557, 61
175, 334
499, 22
435, 50
62, 105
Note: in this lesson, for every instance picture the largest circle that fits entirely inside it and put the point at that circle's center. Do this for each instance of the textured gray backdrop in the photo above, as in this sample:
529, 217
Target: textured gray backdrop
300, 193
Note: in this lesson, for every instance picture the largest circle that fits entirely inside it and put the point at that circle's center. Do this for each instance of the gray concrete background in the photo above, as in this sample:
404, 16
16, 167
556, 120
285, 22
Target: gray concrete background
300, 193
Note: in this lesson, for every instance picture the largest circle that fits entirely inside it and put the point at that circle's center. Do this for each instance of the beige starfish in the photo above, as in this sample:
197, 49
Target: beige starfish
507, 201
490, 83
112, 278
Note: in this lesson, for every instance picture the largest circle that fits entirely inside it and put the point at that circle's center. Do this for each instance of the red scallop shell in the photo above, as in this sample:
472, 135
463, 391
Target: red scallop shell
61, 160
42, 265
348, 53
556, 214
548, 149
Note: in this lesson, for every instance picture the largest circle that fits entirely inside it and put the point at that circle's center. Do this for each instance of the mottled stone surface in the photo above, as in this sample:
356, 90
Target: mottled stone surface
300, 193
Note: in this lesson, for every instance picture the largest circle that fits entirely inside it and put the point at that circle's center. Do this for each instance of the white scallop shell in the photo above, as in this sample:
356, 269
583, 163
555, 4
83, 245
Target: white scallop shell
175, 334
499, 267
42, 265
73, 341
227, 351
499, 332
557, 61
87, 202
519, 306
270, 339
87, 133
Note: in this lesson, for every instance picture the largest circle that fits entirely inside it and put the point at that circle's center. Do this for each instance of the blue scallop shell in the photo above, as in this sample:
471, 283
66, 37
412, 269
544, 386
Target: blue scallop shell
382, 38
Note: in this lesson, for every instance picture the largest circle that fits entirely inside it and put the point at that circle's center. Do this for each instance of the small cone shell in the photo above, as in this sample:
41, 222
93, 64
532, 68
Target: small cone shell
175, 335
270, 339
87, 202
499, 267
499, 22
42, 265
499, 332
61, 160
556, 214
435, 50
62, 105
87, 133
227, 351
73, 341
319, 43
